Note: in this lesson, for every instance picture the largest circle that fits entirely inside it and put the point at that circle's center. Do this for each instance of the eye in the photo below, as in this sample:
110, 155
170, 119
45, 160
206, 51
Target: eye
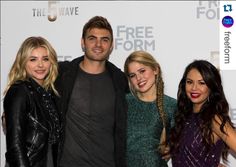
32, 59
105, 39
45, 59
189, 82
202, 83
142, 71
131, 75
91, 38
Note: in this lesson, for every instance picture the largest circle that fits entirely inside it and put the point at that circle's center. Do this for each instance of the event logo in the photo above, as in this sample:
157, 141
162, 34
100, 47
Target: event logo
227, 21
227, 47
208, 9
227, 37
53, 11
64, 58
134, 38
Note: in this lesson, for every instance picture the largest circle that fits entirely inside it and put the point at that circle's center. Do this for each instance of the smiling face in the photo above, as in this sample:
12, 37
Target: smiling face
38, 65
97, 44
196, 89
142, 78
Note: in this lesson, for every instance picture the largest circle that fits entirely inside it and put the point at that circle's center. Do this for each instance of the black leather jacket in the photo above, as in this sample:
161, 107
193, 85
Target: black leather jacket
27, 126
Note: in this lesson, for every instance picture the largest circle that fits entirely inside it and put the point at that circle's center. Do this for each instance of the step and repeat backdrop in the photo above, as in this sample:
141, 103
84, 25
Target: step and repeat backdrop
176, 33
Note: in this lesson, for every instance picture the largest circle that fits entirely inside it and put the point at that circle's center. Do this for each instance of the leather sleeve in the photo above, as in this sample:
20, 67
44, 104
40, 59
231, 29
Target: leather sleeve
16, 106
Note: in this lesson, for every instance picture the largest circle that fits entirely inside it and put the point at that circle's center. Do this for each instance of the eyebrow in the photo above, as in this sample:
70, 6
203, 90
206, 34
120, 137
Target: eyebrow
32, 56
140, 69
104, 37
197, 80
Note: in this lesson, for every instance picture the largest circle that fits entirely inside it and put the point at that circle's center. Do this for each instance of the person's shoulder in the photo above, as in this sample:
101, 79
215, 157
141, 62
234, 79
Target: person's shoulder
113, 67
17, 90
116, 72
19, 85
130, 98
167, 97
17, 99
118, 75
68, 64
170, 100
170, 105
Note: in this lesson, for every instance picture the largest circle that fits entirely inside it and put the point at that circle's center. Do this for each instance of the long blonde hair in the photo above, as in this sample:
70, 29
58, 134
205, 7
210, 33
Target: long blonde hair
18, 71
147, 59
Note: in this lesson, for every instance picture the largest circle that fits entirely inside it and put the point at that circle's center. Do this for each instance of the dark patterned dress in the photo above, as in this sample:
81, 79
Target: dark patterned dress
144, 131
192, 151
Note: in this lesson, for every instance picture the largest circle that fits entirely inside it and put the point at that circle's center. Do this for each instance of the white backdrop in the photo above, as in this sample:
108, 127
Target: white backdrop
176, 33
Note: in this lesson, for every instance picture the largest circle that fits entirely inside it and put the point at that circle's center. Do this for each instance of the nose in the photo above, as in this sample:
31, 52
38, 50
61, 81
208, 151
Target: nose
98, 42
40, 63
194, 86
138, 76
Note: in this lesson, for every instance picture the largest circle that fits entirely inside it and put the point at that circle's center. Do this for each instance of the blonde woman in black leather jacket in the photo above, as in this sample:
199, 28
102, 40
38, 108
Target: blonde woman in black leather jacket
32, 121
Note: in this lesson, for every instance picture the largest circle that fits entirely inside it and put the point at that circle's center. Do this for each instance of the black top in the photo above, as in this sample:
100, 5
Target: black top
90, 122
65, 84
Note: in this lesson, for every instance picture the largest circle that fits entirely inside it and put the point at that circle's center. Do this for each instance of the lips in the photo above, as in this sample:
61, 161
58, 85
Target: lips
40, 71
142, 84
97, 50
195, 95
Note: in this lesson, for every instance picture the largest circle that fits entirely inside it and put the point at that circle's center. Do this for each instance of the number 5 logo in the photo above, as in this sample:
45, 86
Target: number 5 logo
52, 10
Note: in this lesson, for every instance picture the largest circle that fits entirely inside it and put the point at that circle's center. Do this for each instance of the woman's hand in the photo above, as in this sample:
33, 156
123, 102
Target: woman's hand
166, 153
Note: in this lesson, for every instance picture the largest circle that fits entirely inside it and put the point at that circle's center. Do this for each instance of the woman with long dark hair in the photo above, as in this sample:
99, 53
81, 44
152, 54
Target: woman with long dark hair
203, 130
